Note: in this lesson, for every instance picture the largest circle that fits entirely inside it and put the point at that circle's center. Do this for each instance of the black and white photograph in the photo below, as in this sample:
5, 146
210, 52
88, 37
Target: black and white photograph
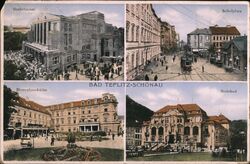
63, 42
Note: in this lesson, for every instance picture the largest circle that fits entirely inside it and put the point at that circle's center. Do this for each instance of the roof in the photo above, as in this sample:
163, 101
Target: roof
203, 31
31, 105
221, 119
186, 108
240, 42
228, 30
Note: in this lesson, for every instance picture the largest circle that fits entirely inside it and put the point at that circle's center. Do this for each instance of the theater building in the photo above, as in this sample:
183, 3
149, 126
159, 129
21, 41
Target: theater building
98, 114
59, 42
185, 126
143, 37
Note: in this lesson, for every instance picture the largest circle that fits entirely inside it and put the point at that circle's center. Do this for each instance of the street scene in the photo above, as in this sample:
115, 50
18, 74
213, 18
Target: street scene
46, 128
211, 47
187, 122
63, 43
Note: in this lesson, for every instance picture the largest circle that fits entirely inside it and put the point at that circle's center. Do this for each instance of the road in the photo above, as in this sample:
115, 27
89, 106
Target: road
117, 143
174, 73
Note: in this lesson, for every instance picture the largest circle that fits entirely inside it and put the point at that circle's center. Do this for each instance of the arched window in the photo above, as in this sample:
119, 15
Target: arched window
160, 131
187, 131
127, 30
195, 130
153, 131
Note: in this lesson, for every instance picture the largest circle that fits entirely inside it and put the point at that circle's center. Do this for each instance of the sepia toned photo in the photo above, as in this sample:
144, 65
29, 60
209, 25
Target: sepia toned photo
63, 122
63, 41
186, 42
187, 122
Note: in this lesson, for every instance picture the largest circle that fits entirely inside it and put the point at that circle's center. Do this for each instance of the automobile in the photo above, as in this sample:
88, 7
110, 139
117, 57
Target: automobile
26, 142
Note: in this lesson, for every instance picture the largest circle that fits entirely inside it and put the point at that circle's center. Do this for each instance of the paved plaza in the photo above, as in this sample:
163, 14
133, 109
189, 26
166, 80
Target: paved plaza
174, 73
40, 142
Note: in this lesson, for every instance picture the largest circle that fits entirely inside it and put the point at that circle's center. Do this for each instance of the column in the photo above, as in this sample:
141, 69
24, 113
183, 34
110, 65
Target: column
91, 128
36, 33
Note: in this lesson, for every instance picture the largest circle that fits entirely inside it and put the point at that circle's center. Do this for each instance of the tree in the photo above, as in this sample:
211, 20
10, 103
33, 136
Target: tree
238, 141
211, 49
13, 40
13, 72
9, 97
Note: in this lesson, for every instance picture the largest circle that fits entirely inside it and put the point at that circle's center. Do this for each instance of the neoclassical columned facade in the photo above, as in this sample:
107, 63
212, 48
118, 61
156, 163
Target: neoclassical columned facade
143, 28
59, 41
186, 125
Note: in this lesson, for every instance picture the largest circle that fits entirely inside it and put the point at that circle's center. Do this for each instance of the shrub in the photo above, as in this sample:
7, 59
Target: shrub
71, 138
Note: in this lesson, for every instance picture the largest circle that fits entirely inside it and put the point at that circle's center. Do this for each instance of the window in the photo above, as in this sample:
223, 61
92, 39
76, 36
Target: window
62, 120
70, 38
55, 60
49, 26
153, 131
68, 59
89, 111
68, 113
186, 131
65, 26
105, 110
66, 39
195, 130
70, 27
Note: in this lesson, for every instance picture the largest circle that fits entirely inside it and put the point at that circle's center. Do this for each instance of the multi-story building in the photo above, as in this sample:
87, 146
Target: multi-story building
220, 35
134, 136
30, 118
143, 28
235, 54
59, 41
169, 37
185, 125
98, 114
199, 40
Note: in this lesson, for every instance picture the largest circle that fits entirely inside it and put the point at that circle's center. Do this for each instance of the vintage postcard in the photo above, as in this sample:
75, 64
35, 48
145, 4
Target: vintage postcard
187, 122
63, 41
63, 122
186, 42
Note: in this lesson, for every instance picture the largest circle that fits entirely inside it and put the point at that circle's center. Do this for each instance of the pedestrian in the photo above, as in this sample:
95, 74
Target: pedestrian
146, 78
113, 136
166, 67
202, 68
52, 141
156, 78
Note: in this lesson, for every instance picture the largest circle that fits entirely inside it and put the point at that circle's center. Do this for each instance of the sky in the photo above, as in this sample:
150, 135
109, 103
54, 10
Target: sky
211, 97
60, 92
23, 14
188, 17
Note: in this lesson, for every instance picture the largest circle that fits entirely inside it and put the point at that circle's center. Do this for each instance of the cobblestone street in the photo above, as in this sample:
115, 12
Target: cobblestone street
173, 72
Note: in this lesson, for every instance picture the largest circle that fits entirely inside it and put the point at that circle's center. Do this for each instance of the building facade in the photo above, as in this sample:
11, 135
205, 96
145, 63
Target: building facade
169, 37
143, 28
199, 40
185, 126
59, 42
99, 114
133, 136
220, 35
30, 118
235, 54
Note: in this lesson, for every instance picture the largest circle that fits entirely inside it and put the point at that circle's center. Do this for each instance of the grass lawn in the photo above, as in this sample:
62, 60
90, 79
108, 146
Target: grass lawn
201, 156
35, 154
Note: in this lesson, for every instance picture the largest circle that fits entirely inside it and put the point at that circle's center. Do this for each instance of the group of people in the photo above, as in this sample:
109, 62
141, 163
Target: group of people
33, 69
